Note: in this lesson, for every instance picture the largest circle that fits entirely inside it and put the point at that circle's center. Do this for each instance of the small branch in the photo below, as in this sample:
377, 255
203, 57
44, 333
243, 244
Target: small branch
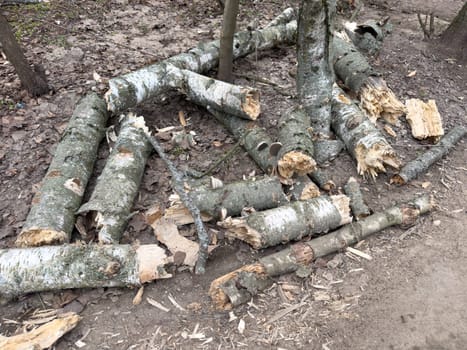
428, 31
178, 183
226, 156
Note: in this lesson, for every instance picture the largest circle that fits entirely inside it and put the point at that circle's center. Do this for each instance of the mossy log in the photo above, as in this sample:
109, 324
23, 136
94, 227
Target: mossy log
421, 164
241, 285
254, 138
48, 268
230, 199
361, 137
111, 201
290, 222
357, 204
52, 215
296, 154
131, 89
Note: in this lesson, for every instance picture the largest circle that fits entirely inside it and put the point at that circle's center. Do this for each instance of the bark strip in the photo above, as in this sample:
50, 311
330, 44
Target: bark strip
27, 270
290, 222
357, 204
361, 137
112, 199
230, 199
131, 89
52, 215
421, 164
242, 284
240, 101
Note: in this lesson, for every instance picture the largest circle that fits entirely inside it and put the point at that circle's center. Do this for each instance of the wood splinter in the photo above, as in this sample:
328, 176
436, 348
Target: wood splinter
239, 286
424, 119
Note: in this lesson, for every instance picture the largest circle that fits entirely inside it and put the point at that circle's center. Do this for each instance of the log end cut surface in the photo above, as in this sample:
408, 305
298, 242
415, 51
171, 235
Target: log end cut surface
295, 163
251, 105
35, 237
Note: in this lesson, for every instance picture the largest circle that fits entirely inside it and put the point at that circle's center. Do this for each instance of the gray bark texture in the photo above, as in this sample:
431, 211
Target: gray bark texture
290, 222
288, 15
52, 215
229, 22
112, 199
368, 37
421, 164
130, 89
357, 204
323, 180
241, 285
27, 270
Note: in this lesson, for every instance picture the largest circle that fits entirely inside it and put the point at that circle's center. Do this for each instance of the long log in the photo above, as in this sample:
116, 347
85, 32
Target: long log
111, 201
241, 285
229, 200
52, 215
131, 89
47, 268
240, 101
290, 222
361, 137
421, 164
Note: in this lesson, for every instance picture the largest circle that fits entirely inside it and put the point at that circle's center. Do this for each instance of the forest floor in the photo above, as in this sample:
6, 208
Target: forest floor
411, 295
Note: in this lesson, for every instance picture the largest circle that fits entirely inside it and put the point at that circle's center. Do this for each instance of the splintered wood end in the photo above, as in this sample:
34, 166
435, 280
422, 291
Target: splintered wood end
238, 228
371, 161
342, 204
151, 261
295, 163
311, 190
251, 105
219, 298
378, 100
36, 237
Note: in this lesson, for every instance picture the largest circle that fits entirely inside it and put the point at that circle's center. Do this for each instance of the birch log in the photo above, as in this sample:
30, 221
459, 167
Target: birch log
290, 222
52, 215
357, 204
131, 89
112, 199
240, 101
368, 36
288, 15
241, 285
254, 139
229, 200
361, 137
27, 270
421, 164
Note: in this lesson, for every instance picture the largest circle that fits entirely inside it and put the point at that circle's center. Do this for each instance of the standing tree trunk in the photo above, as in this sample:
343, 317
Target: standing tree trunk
455, 36
226, 48
34, 81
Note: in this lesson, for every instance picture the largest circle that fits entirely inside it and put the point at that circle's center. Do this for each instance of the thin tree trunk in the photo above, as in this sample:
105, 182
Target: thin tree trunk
226, 44
34, 81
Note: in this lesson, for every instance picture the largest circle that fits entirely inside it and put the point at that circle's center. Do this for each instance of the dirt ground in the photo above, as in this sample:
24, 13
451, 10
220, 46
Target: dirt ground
411, 295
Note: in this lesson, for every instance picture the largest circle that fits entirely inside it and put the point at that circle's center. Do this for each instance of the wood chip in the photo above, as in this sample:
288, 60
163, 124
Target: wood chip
359, 253
139, 296
157, 304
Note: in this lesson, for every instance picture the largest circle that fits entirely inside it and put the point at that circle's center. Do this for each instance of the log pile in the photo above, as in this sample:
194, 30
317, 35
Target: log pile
283, 206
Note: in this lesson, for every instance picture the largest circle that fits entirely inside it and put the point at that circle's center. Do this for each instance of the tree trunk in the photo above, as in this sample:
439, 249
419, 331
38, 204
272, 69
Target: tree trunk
226, 44
52, 215
455, 36
111, 201
34, 81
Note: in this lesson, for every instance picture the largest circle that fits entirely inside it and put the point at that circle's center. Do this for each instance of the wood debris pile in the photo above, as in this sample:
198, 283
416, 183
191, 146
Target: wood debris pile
285, 205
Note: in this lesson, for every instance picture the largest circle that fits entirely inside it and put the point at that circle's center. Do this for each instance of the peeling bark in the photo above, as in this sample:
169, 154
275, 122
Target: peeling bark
290, 222
241, 285
357, 204
362, 139
52, 215
27, 270
230, 199
131, 89
421, 164
117, 186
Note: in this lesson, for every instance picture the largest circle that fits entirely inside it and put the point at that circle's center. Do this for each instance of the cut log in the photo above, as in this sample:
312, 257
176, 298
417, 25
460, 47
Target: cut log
377, 99
296, 154
254, 139
357, 204
288, 15
240, 101
241, 285
229, 200
112, 199
290, 222
326, 150
42, 337
130, 89
368, 37
52, 215
303, 189
361, 137
424, 119
27, 270
324, 182
421, 164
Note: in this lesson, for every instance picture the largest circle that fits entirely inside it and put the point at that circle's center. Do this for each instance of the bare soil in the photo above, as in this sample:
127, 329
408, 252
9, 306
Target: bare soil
411, 295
